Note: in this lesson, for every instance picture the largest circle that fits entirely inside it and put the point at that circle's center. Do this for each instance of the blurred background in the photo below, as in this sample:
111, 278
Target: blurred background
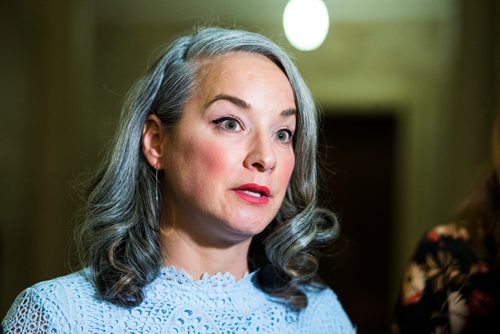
408, 89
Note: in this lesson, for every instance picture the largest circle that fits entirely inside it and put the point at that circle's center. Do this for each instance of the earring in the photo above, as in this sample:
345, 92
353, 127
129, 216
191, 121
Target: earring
156, 184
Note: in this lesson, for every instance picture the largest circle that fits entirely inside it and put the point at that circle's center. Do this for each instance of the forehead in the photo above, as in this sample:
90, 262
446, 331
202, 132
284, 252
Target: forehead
234, 63
241, 73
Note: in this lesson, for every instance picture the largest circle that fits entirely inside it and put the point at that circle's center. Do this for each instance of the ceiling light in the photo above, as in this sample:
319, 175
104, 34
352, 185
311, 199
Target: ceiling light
306, 23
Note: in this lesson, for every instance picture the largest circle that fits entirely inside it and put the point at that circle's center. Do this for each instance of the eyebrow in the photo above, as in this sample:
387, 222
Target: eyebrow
244, 105
289, 112
233, 99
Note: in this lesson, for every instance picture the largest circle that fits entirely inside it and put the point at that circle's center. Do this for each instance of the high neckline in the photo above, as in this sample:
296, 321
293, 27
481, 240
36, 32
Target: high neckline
220, 279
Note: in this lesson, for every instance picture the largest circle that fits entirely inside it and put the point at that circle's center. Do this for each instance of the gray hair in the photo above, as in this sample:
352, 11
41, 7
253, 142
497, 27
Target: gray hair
119, 239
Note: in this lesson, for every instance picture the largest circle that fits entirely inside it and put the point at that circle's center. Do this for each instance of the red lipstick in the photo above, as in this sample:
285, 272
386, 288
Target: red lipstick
253, 193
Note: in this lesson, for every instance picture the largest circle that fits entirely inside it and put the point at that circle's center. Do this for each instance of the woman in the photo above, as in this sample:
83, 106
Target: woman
203, 215
452, 283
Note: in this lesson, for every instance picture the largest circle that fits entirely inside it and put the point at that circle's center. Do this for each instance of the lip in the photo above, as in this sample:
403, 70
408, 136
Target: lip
242, 192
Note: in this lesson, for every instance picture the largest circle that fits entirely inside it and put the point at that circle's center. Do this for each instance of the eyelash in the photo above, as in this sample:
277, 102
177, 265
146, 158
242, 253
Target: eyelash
220, 122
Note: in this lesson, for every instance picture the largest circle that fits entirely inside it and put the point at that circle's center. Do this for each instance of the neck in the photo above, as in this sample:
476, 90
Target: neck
183, 252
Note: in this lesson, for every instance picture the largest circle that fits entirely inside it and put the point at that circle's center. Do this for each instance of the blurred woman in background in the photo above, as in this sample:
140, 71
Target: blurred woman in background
452, 282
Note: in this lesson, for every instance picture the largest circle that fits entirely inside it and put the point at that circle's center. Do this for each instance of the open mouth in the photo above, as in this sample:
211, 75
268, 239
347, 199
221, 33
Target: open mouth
253, 193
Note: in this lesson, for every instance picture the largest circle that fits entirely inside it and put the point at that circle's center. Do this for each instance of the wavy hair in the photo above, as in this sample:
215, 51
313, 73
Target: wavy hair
119, 238
479, 210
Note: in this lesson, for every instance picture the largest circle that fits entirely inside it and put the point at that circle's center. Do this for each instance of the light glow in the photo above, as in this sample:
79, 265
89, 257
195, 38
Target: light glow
306, 23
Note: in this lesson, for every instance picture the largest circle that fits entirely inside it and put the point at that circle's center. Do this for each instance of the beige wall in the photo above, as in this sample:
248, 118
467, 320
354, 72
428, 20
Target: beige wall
66, 66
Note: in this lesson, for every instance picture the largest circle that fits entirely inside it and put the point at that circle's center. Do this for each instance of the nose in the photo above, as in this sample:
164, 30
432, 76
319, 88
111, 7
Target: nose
261, 155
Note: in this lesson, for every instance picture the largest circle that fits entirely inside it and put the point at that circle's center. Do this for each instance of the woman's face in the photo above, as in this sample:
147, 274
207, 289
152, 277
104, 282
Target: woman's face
228, 161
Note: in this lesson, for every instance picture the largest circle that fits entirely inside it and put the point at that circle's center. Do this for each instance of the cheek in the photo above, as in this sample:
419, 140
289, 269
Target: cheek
213, 158
288, 164
207, 163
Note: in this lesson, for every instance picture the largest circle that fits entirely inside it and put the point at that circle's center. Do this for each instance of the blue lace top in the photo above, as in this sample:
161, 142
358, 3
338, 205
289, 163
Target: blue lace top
173, 303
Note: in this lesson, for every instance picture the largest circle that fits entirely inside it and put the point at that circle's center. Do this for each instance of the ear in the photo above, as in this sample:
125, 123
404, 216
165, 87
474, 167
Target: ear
153, 136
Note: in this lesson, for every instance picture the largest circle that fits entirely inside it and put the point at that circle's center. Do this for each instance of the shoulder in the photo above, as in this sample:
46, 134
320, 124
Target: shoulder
69, 284
443, 282
48, 305
64, 290
450, 230
444, 244
324, 313
446, 233
441, 260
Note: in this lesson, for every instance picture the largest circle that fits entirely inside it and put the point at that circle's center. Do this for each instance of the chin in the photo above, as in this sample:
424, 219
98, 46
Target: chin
248, 227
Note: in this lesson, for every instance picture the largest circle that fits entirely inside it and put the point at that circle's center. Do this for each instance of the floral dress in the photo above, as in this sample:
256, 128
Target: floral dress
446, 288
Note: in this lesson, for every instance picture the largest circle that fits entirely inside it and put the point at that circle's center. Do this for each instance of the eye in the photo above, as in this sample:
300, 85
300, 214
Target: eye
284, 136
230, 124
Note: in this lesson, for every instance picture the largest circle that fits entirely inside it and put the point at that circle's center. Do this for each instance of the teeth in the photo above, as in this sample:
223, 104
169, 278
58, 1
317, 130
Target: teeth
251, 193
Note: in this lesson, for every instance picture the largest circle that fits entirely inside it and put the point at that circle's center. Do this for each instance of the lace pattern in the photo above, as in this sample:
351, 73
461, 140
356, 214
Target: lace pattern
174, 303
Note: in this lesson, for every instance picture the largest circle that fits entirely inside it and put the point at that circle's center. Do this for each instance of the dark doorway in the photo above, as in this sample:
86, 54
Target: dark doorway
358, 154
